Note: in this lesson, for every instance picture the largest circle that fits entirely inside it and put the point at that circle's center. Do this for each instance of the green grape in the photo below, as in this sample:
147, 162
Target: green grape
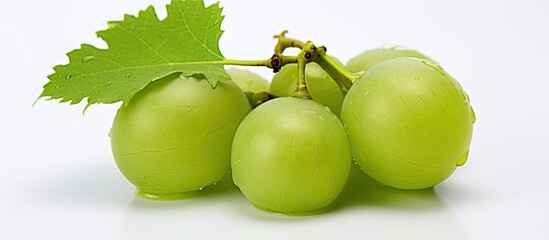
175, 135
321, 86
368, 59
409, 123
248, 81
291, 156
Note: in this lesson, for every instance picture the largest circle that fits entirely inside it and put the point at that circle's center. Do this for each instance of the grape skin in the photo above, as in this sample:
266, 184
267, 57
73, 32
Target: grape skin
291, 156
321, 86
175, 135
409, 123
248, 81
368, 59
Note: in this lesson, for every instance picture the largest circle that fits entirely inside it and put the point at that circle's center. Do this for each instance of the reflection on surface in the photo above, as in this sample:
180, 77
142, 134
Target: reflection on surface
364, 207
190, 218
224, 189
362, 190
100, 195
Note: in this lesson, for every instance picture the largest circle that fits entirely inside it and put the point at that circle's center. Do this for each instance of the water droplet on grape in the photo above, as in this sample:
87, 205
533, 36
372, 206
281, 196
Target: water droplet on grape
463, 159
473, 116
68, 76
86, 59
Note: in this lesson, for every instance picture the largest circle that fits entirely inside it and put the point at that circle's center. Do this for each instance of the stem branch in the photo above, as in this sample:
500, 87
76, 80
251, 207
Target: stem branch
275, 62
302, 59
284, 42
344, 78
309, 52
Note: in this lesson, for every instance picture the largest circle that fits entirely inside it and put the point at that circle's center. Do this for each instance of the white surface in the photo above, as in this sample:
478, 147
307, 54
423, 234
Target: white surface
59, 181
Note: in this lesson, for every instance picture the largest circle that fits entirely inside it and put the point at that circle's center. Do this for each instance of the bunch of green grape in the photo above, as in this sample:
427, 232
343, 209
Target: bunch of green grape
405, 122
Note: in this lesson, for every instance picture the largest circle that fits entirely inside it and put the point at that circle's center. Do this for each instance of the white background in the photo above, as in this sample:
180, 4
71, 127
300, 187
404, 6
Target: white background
58, 179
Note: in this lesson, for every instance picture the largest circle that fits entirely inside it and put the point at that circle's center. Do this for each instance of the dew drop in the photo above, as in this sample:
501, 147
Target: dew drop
463, 159
109, 83
128, 75
110, 133
68, 76
200, 189
86, 59
57, 86
217, 22
473, 116
214, 183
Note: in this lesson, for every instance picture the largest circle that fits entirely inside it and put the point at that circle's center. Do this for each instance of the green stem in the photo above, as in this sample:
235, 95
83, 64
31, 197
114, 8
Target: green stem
343, 77
309, 53
284, 42
302, 60
275, 62
246, 62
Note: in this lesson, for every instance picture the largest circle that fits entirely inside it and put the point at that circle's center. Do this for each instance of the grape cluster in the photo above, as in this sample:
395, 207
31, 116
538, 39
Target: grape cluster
405, 122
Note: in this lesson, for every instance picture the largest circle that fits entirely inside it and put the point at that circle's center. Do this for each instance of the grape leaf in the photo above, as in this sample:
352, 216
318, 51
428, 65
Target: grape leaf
140, 50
